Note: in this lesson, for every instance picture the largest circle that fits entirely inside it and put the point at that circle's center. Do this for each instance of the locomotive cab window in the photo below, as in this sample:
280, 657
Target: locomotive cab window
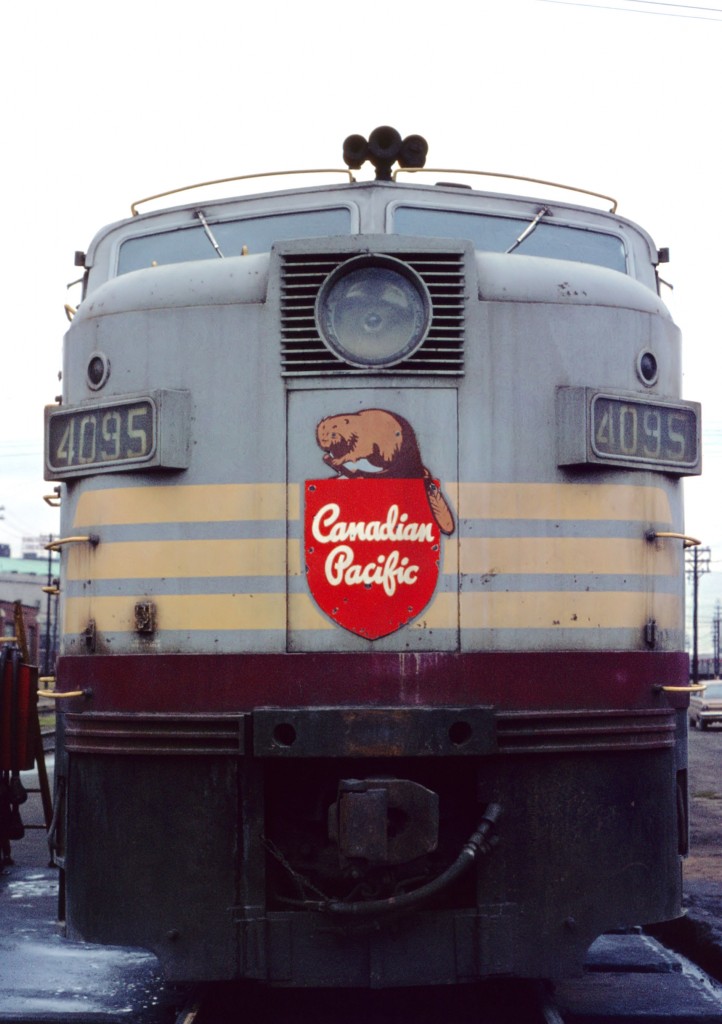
500, 234
255, 234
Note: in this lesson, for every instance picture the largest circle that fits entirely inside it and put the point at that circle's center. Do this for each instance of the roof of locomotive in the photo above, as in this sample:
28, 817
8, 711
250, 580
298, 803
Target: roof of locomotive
364, 207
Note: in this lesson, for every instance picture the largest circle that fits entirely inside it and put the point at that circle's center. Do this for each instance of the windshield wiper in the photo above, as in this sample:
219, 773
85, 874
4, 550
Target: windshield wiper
528, 229
201, 217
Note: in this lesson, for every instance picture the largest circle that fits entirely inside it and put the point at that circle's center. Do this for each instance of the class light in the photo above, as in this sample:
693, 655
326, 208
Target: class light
373, 311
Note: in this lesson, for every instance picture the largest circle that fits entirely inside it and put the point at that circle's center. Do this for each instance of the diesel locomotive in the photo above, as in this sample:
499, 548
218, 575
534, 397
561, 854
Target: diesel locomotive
373, 667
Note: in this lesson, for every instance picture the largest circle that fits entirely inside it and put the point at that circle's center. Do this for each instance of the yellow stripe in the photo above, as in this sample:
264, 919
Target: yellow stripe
295, 549
571, 555
194, 503
198, 559
193, 559
579, 610
226, 612
178, 559
304, 614
442, 613
231, 502
215, 612
491, 610
563, 501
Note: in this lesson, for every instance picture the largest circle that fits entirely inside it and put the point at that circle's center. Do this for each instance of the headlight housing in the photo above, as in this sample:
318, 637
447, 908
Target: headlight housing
373, 311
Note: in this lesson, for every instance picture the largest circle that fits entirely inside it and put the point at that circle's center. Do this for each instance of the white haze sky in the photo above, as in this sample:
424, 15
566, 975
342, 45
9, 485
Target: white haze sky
105, 103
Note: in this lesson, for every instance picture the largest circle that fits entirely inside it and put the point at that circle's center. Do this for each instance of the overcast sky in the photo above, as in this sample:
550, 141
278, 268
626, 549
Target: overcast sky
104, 104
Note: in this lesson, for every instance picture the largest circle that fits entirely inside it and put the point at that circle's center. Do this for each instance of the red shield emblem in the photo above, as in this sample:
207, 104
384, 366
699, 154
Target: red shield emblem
372, 551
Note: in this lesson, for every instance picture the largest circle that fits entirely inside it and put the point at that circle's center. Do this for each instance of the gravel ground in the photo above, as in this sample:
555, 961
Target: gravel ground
699, 934
704, 864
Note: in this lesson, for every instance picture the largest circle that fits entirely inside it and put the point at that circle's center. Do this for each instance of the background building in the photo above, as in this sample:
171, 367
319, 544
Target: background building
23, 579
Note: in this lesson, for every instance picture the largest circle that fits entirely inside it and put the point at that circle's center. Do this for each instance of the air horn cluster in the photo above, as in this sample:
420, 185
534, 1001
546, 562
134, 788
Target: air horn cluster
384, 147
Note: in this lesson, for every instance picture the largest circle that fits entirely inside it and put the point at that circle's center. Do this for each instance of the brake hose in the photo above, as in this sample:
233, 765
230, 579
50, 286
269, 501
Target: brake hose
477, 843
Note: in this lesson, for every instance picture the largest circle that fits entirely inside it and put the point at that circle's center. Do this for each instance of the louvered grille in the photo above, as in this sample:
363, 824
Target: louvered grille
303, 353
547, 732
157, 733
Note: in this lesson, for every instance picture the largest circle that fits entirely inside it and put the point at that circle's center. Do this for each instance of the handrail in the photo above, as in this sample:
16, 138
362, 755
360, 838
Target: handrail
53, 499
683, 689
238, 177
88, 538
345, 171
511, 177
689, 542
63, 695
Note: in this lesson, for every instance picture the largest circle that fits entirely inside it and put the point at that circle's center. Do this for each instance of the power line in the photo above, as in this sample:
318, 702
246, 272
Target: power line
684, 7
634, 10
697, 563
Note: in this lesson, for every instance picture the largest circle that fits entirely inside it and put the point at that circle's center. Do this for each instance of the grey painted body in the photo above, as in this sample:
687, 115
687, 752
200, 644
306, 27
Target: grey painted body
210, 329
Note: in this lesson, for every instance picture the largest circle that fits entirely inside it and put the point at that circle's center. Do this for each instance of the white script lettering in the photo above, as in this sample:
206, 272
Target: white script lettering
388, 572
328, 529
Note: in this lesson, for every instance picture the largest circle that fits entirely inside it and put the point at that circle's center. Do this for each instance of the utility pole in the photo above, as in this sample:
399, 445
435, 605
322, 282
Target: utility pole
698, 563
46, 664
716, 638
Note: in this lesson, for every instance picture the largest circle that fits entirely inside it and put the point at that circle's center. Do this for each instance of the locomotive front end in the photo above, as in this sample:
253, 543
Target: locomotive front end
372, 585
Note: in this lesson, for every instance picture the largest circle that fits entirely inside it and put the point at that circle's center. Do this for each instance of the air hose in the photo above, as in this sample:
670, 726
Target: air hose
477, 843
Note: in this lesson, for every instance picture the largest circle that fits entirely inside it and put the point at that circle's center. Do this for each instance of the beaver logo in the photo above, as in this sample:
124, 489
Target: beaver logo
378, 443
373, 532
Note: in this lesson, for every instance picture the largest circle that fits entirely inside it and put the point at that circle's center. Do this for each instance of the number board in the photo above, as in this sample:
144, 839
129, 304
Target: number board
628, 430
132, 432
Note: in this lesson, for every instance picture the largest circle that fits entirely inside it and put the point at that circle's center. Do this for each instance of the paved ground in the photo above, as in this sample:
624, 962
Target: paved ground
43, 978
699, 934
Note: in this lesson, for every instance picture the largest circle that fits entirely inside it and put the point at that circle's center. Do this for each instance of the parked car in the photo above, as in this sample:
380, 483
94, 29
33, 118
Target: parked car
705, 706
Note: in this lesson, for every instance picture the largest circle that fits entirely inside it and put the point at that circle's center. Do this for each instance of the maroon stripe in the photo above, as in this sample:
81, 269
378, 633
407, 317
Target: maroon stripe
236, 682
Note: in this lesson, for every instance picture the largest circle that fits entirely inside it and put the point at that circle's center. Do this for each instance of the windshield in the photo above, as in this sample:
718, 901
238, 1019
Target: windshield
251, 234
499, 234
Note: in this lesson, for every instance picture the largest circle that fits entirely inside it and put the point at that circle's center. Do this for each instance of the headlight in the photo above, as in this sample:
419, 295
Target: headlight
373, 311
